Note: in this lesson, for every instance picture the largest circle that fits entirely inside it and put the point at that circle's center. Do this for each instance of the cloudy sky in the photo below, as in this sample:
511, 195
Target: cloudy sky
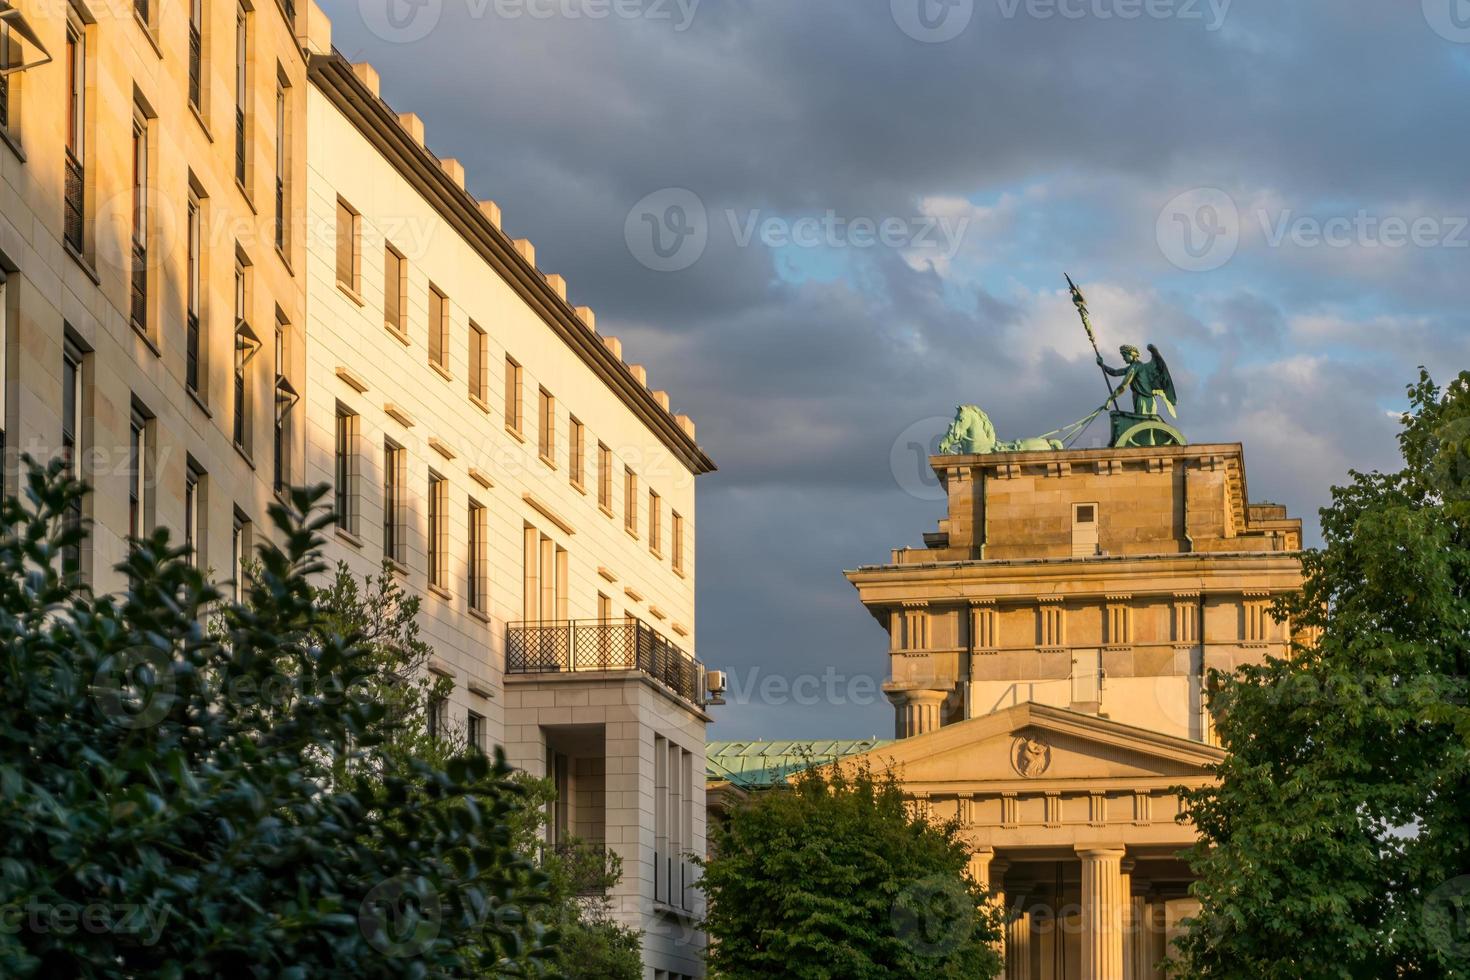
824, 223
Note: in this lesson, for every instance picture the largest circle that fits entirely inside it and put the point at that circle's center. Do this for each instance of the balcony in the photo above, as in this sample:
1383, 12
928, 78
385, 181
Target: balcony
72, 223
584, 646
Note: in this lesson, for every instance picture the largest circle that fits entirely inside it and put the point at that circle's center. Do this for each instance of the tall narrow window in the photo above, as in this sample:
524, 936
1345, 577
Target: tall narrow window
196, 55
194, 509
576, 451
475, 732
71, 444
438, 530
5, 79
138, 474
655, 523
76, 118
546, 426
479, 364
604, 478
676, 542
630, 501
394, 283
347, 502
285, 402
240, 544
192, 351
143, 9
349, 254
139, 306
513, 420
394, 463
242, 91
476, 585
438, 328
281, 165
247, 344
438, 717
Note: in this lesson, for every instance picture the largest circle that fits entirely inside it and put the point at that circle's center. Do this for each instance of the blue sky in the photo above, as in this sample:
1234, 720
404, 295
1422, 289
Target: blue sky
1273, 193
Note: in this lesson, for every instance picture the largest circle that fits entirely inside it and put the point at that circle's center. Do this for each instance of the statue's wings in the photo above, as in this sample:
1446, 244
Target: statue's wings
1166, 380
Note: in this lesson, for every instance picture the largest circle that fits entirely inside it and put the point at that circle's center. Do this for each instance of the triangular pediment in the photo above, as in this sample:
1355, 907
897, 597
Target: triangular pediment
1032, 743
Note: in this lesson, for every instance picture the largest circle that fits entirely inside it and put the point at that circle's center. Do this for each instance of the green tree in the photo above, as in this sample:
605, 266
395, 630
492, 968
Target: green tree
1337, 843
837, 877
177, 800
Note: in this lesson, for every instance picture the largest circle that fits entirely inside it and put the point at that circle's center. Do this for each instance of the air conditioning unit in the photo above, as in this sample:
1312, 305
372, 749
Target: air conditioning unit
714, 686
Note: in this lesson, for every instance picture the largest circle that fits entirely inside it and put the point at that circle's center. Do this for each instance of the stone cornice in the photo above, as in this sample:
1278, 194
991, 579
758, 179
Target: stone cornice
333, 76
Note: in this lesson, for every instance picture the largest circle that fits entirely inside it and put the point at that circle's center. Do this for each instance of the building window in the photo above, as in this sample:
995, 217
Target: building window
241, 535
139, 305
546, 427
438, 531
72, 381
576, 452
513, 420
349, 248
477, 584
74, 219
475, 732
479, 374
143, 9
5, 79
196, 55
138, 476
281, 164
438, 717
242, 92
630, 501
438, 328
347, 497
544, 566
194, 512
676, 542
395, 282
604, 478
395, 461
1084, 530
247, 345
285, 402
192, 285
655, 523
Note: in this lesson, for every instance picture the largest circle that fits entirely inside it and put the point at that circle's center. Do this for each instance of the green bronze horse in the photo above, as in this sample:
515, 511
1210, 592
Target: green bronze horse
971, 433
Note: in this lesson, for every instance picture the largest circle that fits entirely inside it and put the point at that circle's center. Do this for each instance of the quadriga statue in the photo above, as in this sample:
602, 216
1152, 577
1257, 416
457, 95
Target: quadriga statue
971, 433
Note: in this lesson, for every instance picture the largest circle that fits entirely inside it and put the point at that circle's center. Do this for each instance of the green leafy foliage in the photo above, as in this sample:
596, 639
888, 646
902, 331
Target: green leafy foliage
1337, 843
194, 787
836, 877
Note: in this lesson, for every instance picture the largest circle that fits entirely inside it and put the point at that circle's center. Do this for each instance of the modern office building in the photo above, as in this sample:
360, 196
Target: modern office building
229, 267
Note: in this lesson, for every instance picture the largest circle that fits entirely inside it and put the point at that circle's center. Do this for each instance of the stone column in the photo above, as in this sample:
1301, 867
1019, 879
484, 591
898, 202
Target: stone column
1103, 898
998, 868
1018, 947
1130, 921
917, 711
1140, 932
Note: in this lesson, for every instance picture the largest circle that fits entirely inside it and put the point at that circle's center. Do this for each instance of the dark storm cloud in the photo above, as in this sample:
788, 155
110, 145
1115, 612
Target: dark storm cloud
1068, 135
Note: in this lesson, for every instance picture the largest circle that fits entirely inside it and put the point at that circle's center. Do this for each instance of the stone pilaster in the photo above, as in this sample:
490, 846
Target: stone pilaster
1018, 947
916, 712
1103, 898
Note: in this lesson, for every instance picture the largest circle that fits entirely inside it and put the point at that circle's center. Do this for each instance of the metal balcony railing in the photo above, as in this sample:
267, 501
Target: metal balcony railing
72, 220
139, 306
571, 646
196, 68
240, 144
